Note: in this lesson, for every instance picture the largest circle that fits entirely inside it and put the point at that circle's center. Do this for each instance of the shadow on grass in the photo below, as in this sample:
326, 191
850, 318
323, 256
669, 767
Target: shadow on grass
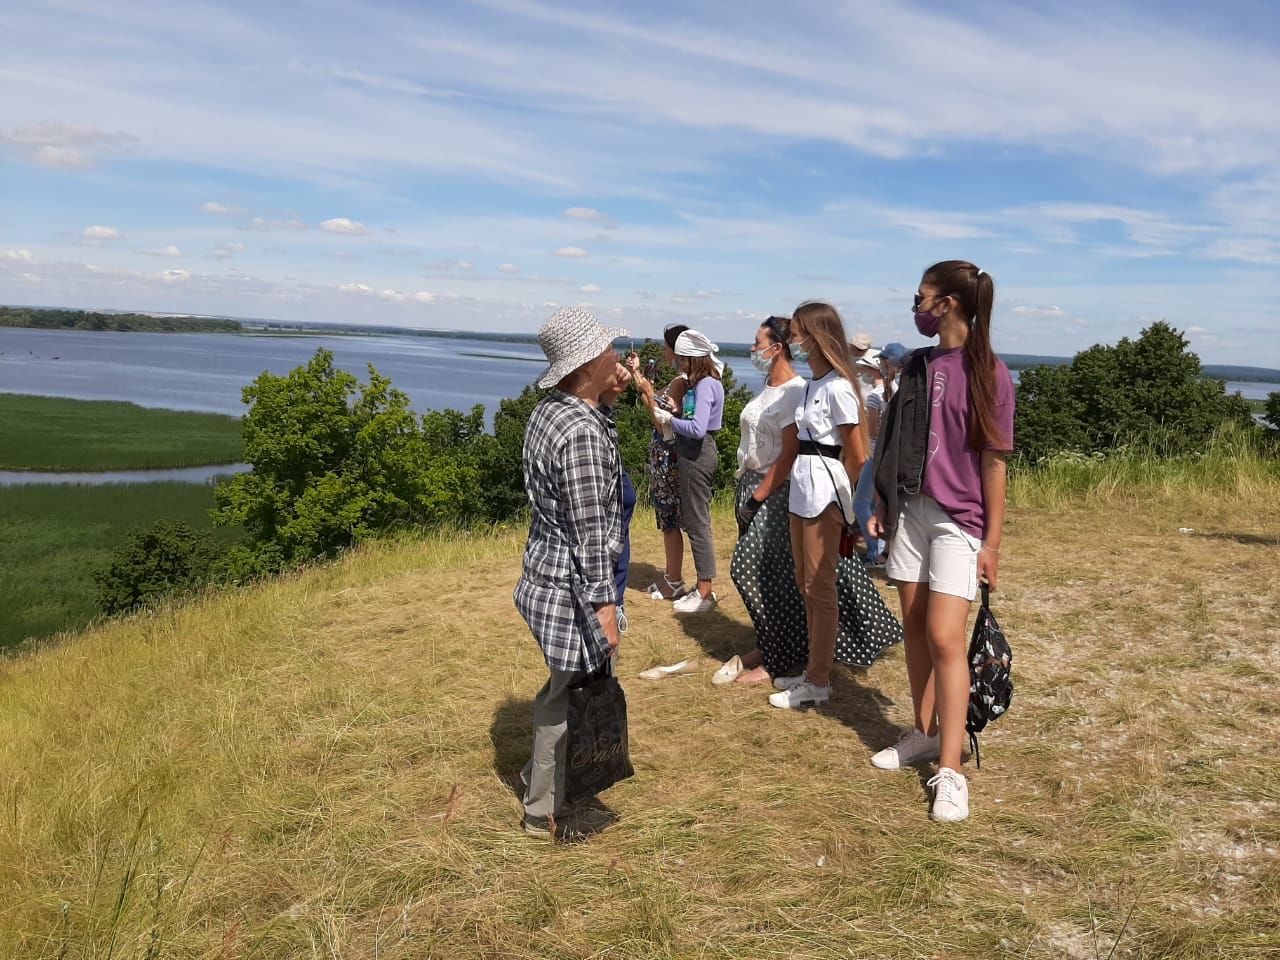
1249, 539
511, 733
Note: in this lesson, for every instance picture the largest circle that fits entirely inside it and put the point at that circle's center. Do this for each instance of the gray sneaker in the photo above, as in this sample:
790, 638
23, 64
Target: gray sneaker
912, 747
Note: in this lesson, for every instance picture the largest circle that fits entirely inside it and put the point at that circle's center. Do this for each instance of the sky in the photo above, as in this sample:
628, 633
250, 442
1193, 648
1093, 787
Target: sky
476, 165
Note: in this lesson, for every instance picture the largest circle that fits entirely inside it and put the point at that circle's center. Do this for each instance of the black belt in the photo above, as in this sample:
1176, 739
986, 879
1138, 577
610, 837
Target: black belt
829, 450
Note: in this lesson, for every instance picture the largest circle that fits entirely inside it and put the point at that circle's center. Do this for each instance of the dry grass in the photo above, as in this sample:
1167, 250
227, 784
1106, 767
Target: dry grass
320, 767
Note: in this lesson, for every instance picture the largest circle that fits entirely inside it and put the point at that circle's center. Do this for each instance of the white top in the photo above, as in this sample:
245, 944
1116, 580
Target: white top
762, 423
816, 481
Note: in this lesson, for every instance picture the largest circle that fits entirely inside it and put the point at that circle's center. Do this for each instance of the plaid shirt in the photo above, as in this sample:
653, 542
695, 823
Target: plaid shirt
573, 477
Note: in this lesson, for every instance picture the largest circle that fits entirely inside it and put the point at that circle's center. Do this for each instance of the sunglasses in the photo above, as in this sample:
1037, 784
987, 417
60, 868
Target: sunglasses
918, 299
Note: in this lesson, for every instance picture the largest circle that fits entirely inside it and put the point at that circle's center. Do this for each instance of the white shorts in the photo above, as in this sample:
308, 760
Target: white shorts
929, 547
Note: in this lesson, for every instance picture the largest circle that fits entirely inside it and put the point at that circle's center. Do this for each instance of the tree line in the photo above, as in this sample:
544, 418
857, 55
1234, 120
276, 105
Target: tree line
57, 319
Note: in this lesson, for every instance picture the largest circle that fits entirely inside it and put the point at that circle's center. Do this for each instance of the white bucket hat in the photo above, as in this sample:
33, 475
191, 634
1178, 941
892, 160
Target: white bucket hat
571, 338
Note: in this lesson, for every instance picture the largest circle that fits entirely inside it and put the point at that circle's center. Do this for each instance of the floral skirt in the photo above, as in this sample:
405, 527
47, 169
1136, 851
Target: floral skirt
764, 573
664, 483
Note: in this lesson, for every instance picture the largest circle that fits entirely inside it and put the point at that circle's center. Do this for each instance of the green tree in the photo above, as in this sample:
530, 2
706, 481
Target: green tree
153, 563
335, 461
1149, 391
1272, 411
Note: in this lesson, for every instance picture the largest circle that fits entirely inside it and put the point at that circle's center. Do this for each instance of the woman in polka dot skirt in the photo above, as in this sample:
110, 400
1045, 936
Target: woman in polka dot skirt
763, 568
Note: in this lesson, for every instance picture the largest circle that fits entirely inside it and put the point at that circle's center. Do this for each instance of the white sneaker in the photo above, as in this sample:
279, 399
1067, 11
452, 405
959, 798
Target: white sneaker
786, 683
694, 602
950, 796
912, 747
803, 694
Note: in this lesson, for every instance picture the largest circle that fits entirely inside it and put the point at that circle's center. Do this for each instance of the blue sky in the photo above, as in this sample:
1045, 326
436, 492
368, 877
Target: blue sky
475, 165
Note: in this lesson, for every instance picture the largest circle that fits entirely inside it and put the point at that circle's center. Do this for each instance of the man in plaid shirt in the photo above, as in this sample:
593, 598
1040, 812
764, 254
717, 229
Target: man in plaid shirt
566, 591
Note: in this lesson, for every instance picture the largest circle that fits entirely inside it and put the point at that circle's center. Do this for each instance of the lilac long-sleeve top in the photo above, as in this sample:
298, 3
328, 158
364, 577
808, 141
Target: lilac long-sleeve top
708, 410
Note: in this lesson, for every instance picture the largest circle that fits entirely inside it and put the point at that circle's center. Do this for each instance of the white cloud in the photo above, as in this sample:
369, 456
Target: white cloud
466, 265
221, 209
590, 288
1024, 311
62, 144
174, 276
422, 296
587, 213
343, 225
262, 224
508, 268
571, 252
16, 256
97, 233
225, 251
360, 288
171, 250
66, 157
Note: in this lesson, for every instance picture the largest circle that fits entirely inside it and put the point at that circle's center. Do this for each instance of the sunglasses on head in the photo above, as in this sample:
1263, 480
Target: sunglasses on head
778, 327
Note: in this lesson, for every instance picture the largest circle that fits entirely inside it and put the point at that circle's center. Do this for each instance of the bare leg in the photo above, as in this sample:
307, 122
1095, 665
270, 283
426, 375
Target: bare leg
915, 599
673, 545
704, 588
947, 617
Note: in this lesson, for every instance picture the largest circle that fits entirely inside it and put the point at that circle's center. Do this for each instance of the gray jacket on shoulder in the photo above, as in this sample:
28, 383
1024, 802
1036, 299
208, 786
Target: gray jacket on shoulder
904, 439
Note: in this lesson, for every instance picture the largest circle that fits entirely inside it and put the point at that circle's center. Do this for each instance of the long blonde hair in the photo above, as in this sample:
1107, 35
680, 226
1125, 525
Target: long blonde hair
822, 322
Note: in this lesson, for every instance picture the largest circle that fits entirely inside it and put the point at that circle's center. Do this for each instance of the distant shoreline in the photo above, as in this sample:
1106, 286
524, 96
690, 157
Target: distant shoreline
256, 327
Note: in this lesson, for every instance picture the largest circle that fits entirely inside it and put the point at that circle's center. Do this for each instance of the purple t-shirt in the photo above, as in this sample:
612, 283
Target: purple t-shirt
953, 471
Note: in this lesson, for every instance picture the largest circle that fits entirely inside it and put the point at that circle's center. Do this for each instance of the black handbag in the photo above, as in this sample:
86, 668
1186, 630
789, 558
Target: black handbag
990, 673
598, 752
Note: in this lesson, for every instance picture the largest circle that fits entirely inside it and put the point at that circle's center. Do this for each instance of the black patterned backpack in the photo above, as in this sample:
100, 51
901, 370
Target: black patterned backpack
990, 673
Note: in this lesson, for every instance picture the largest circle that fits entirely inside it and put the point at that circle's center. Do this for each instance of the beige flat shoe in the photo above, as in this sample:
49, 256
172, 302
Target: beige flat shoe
730, 669
657, 673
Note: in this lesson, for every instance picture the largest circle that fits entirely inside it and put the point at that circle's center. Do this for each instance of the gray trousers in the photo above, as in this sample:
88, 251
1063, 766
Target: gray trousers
698, 463
544, 773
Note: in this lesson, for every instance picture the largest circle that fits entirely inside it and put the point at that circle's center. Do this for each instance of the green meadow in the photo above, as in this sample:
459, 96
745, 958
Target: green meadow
52, 539
53, 433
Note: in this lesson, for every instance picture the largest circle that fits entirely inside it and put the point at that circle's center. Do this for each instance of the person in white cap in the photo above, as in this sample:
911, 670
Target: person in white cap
699, 458
566, 591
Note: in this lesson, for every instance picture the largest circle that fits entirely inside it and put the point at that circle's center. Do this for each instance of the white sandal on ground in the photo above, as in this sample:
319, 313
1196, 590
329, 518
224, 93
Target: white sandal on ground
677, 590
657, 673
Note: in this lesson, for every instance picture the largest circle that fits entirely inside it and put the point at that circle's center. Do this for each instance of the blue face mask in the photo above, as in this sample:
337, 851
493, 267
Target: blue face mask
759, 362
799, 353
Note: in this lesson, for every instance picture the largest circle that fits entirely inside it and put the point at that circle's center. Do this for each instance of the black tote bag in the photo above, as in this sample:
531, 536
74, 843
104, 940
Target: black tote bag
598, 753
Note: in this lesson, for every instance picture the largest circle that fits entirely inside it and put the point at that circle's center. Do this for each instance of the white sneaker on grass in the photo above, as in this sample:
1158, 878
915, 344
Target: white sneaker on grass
786, 683
802, 694
912, 747
694, 602
950, 796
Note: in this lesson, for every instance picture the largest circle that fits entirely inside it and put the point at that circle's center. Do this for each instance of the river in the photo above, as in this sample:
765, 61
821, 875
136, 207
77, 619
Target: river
207, 371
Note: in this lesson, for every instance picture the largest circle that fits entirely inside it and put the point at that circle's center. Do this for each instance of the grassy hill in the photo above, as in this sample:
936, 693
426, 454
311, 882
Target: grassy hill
323, 767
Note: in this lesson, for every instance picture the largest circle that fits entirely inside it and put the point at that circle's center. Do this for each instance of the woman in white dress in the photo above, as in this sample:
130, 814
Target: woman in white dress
832, 446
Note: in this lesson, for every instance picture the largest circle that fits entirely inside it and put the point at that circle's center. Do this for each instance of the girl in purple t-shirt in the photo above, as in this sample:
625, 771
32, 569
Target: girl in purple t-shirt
947, 536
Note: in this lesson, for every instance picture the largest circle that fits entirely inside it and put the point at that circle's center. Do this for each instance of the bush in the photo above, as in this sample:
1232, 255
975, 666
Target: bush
1271, 412
1149, 393
163, 559
336, 461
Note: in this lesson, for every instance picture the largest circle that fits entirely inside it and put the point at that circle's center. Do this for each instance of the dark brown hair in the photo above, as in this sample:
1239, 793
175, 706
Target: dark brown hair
778, 330
975, 292
672, 332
